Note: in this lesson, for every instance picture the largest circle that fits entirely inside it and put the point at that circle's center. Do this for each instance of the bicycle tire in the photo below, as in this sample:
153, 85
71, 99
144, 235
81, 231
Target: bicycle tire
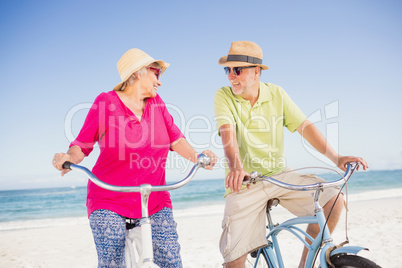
262, 260
352, 261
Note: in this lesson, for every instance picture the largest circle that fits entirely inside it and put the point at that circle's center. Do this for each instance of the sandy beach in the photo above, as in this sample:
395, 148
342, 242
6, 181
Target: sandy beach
376, 224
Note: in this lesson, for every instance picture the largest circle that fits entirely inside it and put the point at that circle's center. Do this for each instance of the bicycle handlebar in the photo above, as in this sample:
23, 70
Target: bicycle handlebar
255, 176
202, 161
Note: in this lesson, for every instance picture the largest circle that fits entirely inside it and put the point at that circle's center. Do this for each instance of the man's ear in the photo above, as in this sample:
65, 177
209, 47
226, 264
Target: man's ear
257, 71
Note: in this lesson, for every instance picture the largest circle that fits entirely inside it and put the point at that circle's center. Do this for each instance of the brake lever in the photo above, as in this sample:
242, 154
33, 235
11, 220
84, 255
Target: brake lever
253, 178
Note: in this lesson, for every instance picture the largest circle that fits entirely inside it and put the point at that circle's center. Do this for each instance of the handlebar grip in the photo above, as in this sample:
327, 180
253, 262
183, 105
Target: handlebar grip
203, 160
66, 165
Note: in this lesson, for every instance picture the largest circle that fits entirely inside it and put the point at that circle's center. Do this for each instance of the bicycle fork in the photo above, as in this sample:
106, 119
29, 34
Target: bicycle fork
326, 242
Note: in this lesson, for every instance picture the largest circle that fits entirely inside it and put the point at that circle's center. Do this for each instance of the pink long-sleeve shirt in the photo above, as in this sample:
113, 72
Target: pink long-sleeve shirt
132, 152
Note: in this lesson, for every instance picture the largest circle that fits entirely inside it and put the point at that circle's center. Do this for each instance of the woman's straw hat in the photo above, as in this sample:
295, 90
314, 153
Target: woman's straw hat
132, 61
243, 53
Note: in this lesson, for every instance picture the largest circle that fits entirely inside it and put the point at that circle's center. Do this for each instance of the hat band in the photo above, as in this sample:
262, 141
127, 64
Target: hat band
244, 58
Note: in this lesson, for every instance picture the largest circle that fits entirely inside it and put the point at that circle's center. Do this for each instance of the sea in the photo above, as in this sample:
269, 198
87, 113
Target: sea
52, 204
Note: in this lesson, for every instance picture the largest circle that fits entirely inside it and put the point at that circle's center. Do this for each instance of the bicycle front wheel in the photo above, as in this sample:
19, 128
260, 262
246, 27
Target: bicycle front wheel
352, 261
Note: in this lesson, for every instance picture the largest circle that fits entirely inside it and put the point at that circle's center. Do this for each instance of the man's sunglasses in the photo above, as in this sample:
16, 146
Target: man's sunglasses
236, 70
156, 70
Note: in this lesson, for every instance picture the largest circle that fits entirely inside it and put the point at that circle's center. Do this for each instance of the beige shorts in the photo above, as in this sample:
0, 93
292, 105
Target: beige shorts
245, 218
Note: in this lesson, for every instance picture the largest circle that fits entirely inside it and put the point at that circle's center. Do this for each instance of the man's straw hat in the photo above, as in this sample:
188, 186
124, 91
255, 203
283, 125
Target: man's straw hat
243, 53
132, 61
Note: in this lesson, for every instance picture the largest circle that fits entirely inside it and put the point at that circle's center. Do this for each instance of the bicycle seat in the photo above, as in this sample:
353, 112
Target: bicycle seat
131, 223
272, 203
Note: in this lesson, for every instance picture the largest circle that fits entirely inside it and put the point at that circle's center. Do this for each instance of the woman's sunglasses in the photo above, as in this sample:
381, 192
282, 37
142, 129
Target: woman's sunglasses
156, 70
236, 70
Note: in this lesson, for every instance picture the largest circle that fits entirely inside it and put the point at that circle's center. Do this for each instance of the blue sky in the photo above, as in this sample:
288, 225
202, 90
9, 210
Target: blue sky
340, 61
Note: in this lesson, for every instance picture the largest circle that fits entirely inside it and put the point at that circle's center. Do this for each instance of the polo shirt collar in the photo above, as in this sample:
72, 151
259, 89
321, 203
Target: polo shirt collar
265, 93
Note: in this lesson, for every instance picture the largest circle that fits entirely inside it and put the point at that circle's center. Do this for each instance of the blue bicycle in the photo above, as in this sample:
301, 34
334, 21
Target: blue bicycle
322, 247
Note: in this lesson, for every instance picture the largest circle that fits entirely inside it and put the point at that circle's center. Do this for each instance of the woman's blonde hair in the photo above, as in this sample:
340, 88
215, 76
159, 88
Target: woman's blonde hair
134, 76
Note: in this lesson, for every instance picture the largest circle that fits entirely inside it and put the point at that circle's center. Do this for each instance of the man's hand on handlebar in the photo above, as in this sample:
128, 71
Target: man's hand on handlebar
234, 180
343, 160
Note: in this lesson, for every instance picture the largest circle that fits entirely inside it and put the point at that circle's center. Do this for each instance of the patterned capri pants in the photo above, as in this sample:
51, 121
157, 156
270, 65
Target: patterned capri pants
109, 228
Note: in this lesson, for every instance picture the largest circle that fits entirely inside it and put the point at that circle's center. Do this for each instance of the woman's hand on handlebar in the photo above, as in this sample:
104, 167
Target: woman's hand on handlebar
213, 158
343, 160
73, 155
58, 161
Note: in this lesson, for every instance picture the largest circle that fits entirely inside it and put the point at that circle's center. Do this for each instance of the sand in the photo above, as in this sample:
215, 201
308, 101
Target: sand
376, 224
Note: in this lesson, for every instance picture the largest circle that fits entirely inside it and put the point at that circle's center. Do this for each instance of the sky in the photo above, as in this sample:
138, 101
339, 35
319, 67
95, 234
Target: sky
340, 61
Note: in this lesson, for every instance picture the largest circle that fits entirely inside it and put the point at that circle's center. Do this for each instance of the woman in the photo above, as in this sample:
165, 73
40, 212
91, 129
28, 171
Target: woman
135, 133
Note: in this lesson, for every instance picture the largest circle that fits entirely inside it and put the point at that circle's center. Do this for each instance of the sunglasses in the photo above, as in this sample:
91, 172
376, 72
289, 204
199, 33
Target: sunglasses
236, 70
156, 70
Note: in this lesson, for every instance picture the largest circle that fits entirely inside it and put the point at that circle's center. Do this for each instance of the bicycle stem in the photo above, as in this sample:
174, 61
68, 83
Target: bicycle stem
145, 190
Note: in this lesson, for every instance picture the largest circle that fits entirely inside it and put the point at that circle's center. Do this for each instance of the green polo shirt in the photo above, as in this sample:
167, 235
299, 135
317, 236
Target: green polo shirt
259, 128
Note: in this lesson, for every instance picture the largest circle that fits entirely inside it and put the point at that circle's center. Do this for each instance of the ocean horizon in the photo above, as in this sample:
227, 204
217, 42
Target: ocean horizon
69, 202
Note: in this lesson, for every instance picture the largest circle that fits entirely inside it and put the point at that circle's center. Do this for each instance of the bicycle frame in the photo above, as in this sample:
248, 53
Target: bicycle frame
145, 190
273, 252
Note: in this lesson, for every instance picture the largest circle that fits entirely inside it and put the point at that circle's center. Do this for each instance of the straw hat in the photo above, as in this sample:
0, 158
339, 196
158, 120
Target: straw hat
243, 53
132, 61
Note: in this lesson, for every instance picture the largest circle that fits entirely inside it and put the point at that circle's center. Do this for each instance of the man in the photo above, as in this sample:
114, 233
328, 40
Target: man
251, 117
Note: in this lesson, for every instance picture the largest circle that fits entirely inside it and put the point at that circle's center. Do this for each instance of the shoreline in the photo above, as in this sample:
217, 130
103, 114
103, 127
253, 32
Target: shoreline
199, 211
373, 223
178, 210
